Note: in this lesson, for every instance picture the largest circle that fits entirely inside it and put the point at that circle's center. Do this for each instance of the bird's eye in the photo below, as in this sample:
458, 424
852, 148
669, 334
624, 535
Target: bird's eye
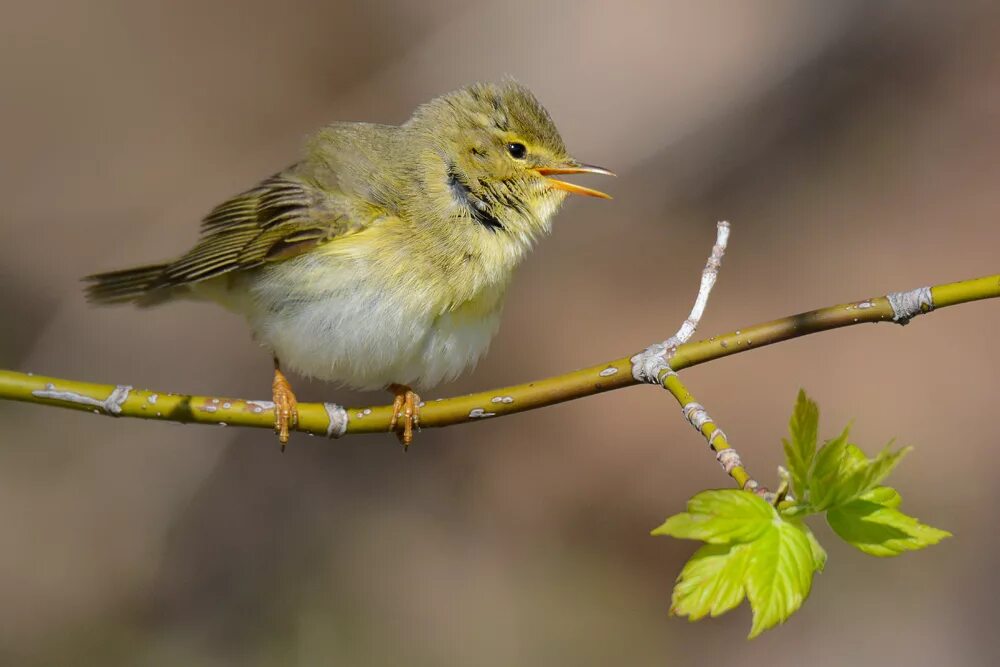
517, 150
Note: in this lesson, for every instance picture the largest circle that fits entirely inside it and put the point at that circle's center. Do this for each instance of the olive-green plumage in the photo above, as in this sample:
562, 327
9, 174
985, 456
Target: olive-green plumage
383, 255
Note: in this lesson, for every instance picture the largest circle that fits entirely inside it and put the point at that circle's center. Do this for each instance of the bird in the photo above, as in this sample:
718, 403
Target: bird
380, 259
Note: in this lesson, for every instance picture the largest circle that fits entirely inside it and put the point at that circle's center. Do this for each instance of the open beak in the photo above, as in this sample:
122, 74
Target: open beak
573, 188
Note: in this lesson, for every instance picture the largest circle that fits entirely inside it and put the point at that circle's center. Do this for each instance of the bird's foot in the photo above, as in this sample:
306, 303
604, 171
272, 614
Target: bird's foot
405, 413
286, 407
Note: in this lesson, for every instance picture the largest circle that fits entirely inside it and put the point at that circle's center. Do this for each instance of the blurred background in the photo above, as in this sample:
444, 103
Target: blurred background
854, 147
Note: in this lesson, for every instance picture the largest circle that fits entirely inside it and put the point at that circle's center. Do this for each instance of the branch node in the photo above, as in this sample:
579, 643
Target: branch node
696, 415
729, 458
907, 305
649, 365
338, 420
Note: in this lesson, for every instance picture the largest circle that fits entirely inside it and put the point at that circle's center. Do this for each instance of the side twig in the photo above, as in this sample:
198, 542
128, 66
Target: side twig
728, 458
649, 365
652, 366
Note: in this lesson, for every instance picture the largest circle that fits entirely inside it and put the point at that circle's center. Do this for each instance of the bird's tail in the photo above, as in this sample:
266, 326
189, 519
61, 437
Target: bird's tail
140, 285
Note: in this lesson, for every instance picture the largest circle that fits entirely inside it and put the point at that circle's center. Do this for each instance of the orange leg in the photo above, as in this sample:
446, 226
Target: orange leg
286, 412
405, 407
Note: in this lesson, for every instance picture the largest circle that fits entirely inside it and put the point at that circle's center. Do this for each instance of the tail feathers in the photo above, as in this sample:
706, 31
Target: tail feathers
140, 285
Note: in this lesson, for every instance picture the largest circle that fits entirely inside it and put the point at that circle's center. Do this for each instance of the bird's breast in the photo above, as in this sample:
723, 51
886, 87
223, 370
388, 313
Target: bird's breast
367, 325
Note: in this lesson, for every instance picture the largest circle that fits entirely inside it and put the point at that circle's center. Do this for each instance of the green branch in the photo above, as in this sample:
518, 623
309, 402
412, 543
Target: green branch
315, 418
725, 454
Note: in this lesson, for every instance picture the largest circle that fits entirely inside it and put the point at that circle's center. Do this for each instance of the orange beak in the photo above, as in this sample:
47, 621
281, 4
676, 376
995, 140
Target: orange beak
572, 187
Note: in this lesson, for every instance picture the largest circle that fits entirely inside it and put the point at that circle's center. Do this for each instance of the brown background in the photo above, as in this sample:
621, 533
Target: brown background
854, 148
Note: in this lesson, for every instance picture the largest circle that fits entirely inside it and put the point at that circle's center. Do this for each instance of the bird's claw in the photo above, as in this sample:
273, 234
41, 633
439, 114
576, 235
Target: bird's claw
286, 407
405, 413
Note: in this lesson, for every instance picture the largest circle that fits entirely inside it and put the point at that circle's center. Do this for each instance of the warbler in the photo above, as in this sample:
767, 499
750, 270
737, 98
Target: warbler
381, 258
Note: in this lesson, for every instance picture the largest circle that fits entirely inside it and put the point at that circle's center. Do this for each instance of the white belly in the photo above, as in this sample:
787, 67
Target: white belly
367, 339
368, 345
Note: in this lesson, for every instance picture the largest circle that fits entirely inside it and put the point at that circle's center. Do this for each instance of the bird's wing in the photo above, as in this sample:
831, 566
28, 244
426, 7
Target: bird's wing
282, 217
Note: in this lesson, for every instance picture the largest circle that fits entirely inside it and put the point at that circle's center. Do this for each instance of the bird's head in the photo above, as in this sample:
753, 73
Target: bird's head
490, 154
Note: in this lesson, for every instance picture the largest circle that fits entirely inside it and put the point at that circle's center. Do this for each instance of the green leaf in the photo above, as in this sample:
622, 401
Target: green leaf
842, 472
712, 581
818, 552
884, 495
720, 516
874, 525
868, 474
860, 474
778, 575
880, 466
828, 467
801, 447
771, 562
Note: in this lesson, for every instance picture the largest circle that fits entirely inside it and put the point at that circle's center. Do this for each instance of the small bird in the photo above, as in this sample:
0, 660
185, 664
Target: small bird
381, 258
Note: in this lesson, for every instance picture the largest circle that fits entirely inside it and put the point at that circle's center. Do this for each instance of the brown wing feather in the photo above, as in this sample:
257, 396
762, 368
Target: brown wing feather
280, 218
333, 192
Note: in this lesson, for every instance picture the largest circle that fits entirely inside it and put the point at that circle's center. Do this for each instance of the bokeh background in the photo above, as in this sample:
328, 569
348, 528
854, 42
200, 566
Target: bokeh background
853, 145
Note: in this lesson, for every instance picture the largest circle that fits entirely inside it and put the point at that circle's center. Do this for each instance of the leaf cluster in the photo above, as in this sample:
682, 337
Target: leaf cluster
766, 553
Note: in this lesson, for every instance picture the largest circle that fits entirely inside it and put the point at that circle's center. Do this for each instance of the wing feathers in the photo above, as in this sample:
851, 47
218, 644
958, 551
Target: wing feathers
282, 217
276, 220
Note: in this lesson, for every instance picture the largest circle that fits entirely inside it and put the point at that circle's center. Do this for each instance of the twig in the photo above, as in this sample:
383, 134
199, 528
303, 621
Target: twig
727, 457
649, 365
653, 366
323, 418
